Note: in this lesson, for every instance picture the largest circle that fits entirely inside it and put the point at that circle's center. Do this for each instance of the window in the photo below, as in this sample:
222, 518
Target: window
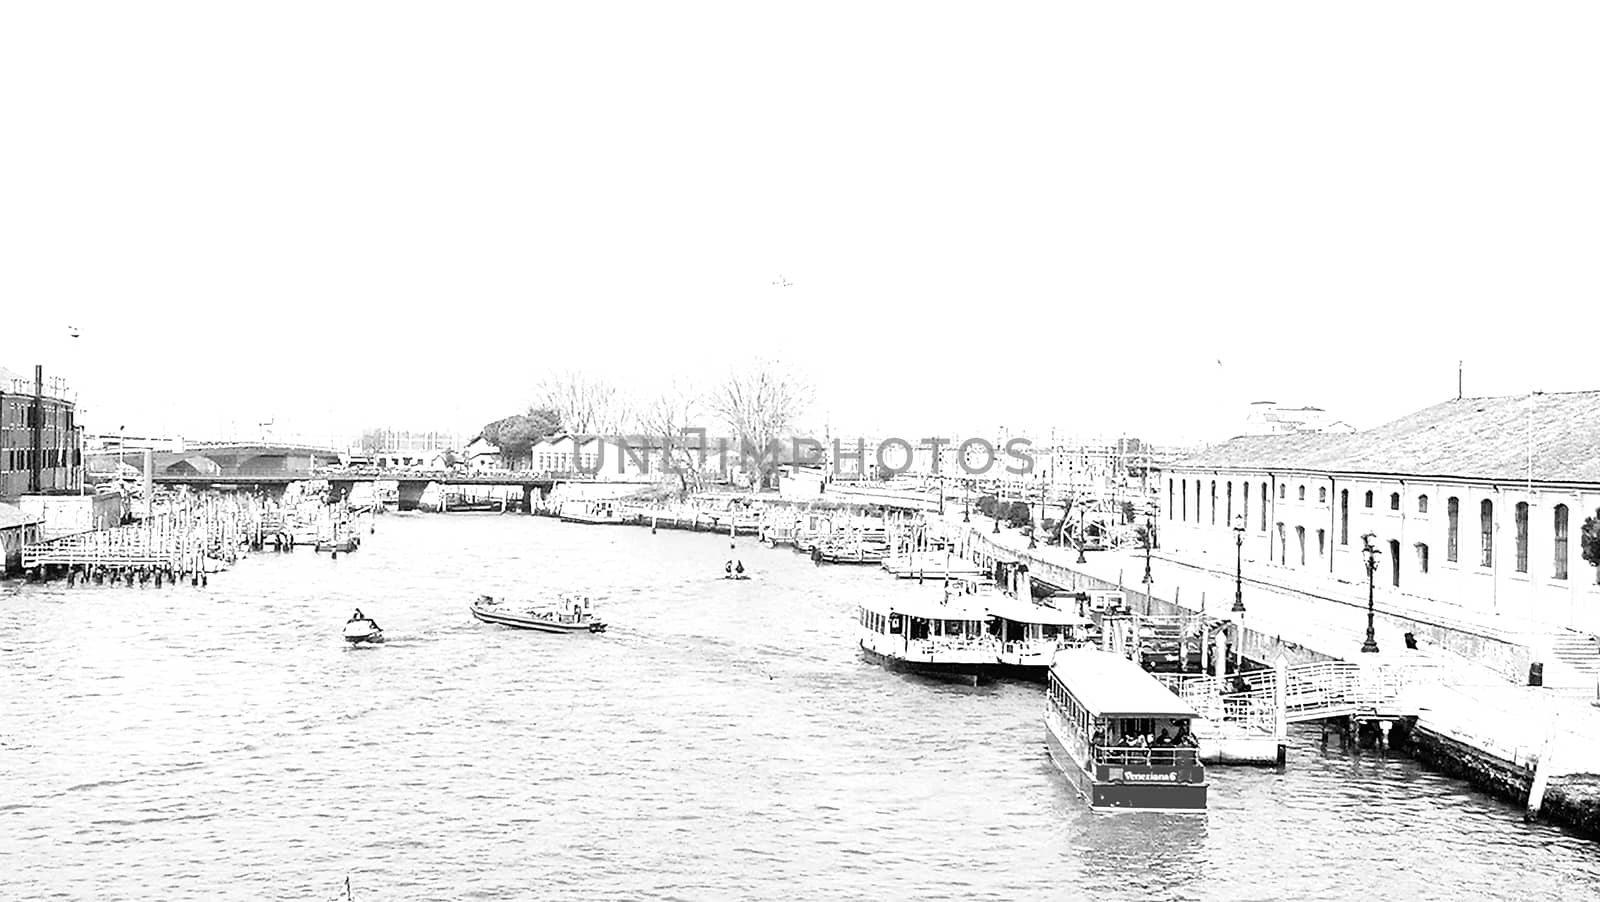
1344, 516
1213, 502
1422, 504
1422, 557
1246, 503
1300, 537
1283, 492
1283, 545
1522, 537
1394, 501
1486, 531
1264, 507
1302, 493
1369, 499
1561, 542
1322, 543
1230, 502
1452, 509
1185, 487
1171, 508
1322, 495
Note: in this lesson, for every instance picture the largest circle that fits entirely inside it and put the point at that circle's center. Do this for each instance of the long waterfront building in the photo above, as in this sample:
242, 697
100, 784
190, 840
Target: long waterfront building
1476, 502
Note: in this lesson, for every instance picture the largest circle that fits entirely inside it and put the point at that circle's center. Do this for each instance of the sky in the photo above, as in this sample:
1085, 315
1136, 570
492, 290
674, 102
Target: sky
1102, 219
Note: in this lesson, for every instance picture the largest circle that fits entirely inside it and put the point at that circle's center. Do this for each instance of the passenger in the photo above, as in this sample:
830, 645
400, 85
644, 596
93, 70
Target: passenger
739, 569
356, 616
1164, 740
727, 569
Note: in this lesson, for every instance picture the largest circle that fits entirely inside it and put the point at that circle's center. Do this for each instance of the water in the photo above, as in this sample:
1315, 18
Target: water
722, 741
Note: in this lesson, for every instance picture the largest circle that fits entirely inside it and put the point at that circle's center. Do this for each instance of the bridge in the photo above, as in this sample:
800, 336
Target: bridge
221, 462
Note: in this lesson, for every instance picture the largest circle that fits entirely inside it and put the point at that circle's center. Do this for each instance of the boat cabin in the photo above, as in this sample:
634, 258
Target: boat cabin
940, 636
1030, 633
1121, 736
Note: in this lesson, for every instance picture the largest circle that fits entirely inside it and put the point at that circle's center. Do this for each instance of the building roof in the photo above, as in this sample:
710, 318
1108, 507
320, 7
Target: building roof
1109, 684
1486, 439
12, 516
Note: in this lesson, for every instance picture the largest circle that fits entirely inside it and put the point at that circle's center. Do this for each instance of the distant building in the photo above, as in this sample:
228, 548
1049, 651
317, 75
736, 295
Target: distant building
1476, 502
41, 445
400, 448
480, 455
1272, 418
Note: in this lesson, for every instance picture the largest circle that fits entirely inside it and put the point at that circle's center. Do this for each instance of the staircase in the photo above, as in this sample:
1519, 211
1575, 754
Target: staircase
1578, 652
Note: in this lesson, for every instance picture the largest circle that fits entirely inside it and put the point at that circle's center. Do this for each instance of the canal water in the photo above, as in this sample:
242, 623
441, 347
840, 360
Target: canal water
721, 741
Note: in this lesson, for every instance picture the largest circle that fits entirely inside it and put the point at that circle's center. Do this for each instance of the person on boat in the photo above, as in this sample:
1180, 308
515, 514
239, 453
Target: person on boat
727, 569
356, 616
1164, 740
739, 569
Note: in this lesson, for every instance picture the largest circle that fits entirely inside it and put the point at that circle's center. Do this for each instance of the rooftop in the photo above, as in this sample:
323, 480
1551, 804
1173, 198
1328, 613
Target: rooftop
1109, 684
1544, 437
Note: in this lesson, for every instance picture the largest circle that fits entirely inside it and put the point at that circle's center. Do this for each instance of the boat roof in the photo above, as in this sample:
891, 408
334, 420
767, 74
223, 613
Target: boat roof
1111, 685
932, 607
1020, 610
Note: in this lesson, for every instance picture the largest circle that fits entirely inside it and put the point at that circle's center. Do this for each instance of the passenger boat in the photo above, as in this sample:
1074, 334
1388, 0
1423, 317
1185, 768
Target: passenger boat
1100, 713
357, 632
931, 565
851, 549
571, 614
938, 637
1029, 634
591, 510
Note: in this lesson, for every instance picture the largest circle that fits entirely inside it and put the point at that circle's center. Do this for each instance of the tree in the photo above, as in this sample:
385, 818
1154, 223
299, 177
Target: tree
666, 419
515, 435
760, 404
1591, 542
1018, 514
583, 405
986, 505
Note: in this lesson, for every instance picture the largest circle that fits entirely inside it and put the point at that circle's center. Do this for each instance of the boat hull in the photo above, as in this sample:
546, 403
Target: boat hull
1124, 796
967, 672
535, 624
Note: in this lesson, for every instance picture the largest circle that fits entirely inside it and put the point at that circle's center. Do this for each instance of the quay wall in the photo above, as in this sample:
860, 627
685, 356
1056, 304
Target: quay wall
1572, 800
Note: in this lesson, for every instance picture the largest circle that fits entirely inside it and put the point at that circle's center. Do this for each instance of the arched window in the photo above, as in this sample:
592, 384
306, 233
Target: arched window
1486, 531
1344, 516
1283, 492
1561, 542
1246, 513
1452, 508
1369, 499
1322, 542
1394, 501
1230, 502
1422, 504
1171, 509
1422, 557
1213, 502
1302, 493
1185, 486
1322, 495
1264, 509
1522, 536
1300, 537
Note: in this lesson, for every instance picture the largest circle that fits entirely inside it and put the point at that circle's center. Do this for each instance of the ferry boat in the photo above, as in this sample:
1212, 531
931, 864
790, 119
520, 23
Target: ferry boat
851, 548
570, 615
1030, 634
591, 510
938, 637
931, 565
1100, 716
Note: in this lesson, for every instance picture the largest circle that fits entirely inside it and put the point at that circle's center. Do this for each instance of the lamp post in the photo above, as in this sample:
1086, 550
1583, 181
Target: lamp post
1238, 565
1149, 540
1033, 529
1371, 645
1081, 558
966, 501
997, 493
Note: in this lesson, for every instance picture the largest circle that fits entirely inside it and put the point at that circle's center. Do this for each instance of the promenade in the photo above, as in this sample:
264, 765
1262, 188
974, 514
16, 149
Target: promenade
1474, 701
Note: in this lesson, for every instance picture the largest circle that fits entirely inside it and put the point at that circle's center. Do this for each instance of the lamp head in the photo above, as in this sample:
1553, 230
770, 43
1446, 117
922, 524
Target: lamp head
1238, 523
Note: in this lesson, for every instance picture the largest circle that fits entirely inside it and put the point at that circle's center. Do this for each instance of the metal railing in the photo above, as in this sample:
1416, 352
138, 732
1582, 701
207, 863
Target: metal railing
1145, 756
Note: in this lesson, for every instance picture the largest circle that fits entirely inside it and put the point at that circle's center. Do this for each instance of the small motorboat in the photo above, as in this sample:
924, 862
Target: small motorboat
571, 614
736, 576
359, 631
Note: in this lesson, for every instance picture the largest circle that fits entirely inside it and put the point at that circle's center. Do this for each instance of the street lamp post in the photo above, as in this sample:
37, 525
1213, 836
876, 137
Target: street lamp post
966, 501
997, 493
1238, 565
1371, 645
1149, 540
1033, 529
1081, 558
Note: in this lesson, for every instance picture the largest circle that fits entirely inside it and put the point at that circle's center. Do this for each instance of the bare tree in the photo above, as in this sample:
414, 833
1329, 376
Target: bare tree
667, 420
761, 403
586, 405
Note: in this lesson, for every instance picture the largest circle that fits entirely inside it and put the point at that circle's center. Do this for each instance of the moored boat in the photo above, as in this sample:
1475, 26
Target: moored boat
938, 637
1120, 736
1029, 635
931, 565
591, 510
571, 614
